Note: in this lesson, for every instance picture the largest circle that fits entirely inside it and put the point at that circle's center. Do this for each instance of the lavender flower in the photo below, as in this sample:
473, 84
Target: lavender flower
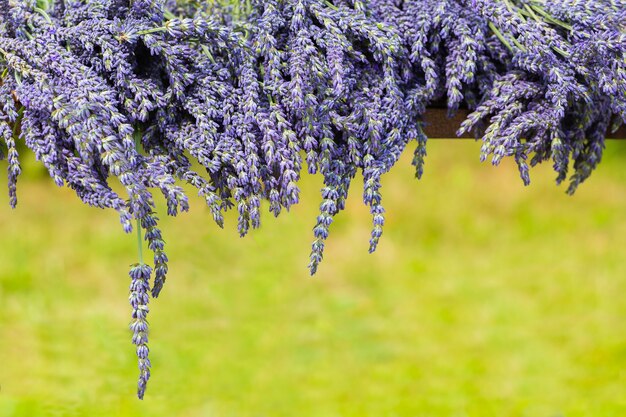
139, 299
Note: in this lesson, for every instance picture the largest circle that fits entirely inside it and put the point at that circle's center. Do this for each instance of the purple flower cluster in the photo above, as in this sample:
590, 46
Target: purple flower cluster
236, 100
139, 299
562, 86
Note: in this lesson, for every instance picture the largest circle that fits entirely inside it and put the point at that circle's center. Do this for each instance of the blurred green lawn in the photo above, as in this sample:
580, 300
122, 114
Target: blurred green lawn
485, 298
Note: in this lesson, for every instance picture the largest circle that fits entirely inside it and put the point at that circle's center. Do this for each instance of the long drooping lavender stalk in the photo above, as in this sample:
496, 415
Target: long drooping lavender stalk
139, 299
237, 99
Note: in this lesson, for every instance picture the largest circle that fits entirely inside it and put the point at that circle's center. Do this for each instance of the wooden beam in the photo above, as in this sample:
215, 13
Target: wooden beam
439, 126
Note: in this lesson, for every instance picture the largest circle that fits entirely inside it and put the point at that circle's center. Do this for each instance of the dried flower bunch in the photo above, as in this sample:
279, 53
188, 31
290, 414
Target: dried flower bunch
143, 91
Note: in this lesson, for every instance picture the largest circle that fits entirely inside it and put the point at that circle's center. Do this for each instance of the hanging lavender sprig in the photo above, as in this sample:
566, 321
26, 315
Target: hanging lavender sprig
139, 299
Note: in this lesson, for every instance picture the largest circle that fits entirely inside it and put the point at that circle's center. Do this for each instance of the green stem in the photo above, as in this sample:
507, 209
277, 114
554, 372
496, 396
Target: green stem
139, 242
207, 52
332, 6
153, 30
531, 12
560, 51
510, 9
499, 35
43, 13
551, 19
519, 45
169, 15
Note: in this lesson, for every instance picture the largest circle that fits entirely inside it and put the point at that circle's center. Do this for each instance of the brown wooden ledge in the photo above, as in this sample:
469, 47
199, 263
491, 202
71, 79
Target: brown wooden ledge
439, 126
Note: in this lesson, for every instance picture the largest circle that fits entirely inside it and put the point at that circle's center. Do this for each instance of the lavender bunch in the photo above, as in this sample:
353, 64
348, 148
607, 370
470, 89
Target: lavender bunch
237, 98
332, 73
563, 85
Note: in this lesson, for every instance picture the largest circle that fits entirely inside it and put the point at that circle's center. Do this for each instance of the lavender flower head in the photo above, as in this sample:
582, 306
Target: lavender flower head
139, 299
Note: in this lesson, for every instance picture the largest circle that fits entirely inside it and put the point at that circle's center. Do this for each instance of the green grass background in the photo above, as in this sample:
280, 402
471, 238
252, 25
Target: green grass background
485, 298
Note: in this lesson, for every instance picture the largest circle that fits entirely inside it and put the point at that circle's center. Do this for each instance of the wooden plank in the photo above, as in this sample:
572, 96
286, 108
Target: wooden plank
439, 126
